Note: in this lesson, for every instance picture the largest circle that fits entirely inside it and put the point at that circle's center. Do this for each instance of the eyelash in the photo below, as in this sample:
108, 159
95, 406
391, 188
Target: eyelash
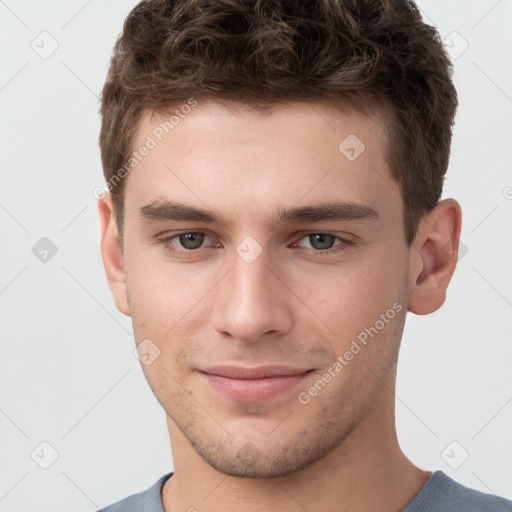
166, 242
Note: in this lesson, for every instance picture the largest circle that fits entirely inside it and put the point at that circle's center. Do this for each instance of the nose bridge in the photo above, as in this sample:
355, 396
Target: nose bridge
252, 302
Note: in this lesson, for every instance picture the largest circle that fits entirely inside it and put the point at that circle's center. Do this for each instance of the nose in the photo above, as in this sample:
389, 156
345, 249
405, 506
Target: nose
252, 301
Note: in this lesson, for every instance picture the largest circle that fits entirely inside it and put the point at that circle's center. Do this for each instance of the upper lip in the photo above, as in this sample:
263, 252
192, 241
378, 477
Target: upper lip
256, 372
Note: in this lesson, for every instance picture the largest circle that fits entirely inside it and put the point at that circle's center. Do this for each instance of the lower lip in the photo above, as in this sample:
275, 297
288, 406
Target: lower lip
254, 390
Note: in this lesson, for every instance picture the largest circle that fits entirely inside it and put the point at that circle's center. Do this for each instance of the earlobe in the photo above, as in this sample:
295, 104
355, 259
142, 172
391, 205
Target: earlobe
112, 255
433, 258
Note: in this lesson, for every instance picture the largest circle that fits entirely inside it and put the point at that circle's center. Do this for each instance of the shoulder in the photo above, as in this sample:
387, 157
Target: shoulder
443, 494
150, 499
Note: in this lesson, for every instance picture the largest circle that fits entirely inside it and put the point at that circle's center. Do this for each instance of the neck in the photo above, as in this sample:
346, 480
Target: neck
367, 472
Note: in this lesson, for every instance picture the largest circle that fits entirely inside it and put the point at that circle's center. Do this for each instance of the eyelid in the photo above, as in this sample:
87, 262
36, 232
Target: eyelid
168, 237
345, 242
342, 234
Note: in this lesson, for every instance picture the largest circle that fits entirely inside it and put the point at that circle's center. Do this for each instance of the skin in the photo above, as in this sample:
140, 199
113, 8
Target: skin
289, 306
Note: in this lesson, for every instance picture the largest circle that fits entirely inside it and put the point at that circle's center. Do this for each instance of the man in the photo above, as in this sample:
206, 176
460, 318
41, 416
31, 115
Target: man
272, 212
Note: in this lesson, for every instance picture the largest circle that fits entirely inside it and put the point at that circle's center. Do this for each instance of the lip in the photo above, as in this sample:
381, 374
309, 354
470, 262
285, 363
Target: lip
256, 384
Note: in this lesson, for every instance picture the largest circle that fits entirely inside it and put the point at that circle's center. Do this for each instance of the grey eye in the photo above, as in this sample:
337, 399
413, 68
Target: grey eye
191, 240
321, 241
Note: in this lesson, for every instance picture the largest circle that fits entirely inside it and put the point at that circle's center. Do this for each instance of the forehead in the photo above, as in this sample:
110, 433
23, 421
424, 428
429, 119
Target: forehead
241, 158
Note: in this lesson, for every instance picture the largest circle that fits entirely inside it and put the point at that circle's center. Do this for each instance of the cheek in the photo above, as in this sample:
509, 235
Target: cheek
347, 294
165, 308
358, 303
161, 293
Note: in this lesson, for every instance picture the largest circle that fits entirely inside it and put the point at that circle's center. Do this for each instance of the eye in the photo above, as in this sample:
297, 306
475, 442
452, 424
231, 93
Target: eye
191, 240
322, 243
186, 243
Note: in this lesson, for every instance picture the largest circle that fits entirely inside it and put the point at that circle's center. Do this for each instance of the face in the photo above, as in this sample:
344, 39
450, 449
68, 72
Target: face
270, 320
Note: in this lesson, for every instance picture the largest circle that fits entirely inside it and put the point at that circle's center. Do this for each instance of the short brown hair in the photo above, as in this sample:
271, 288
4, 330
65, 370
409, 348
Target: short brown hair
266, 52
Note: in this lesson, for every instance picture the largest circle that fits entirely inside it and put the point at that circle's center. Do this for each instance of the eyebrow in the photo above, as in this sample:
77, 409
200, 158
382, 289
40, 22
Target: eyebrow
162, 210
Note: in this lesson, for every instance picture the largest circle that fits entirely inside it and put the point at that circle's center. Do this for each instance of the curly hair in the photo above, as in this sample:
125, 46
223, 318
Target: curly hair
266, 52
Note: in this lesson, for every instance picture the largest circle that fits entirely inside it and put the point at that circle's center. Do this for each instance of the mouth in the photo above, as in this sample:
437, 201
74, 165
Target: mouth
257, 384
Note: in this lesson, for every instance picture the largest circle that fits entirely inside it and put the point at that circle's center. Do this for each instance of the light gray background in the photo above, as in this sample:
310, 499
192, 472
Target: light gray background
67, 372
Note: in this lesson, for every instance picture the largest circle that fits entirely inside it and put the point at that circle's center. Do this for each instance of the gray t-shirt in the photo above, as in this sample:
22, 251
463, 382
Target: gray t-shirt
440, 494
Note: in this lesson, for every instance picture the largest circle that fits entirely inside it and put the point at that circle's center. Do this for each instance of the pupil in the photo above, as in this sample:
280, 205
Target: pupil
191, 240
322, 238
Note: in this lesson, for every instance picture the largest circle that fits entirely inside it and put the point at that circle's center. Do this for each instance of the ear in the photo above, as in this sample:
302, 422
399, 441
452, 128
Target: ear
434, 254
111, 254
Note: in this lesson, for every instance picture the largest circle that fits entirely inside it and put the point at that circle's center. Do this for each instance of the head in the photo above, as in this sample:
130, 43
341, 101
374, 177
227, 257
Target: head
314, 137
